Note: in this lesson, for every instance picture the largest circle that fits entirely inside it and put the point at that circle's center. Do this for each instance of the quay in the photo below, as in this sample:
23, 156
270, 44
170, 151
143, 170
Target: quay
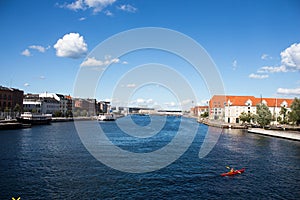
291, 135
12, 124
219, 124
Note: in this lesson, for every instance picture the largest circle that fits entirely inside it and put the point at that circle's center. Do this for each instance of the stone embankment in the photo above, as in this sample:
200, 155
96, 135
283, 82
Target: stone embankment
221, 124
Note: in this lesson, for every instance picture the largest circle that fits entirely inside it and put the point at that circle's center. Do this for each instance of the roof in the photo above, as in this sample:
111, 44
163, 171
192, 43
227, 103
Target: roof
9, 89
221, 100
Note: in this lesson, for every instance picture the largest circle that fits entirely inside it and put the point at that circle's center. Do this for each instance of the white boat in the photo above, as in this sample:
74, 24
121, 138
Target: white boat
34, 119
106, 117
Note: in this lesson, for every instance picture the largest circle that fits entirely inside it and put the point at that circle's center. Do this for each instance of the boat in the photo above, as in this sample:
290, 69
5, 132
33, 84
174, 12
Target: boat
106, 117
234, 172
34, 119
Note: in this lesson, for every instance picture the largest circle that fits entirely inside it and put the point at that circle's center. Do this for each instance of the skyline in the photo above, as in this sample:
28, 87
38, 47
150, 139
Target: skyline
255, 45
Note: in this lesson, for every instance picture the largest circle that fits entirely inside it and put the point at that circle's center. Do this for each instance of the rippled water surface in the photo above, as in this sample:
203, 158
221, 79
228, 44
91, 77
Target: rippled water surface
50, 162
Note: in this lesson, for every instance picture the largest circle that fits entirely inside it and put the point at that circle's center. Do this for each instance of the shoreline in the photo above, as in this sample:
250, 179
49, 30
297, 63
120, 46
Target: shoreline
222, 125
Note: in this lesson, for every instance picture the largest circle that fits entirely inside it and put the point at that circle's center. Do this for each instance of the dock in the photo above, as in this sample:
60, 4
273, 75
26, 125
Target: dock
12, 124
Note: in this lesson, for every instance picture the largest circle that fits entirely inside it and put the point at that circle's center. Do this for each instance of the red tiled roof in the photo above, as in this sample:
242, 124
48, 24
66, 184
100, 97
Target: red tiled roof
219, 100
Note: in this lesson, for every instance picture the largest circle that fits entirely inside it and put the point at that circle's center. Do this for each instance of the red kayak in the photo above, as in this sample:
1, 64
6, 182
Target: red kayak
234, 172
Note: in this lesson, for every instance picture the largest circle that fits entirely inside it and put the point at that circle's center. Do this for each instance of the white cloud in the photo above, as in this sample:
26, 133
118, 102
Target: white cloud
124, 62
108, 13
203, 102
127, 8
290, 61
171, 104
140, 101
131, 85
95, 5
143, 102
26, 52
285, 91
266, 57
269, 69
290, 57
39, 48
82, 19
234, 64
258, 76
150, 101
26, 84
42, 77
187, 102
92, 62
72, 45
76, 5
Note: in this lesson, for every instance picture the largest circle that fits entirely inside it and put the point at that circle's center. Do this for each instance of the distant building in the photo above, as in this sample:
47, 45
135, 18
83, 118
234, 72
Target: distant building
39, 104
104, 106
65, 101
32, 103
86, 105
229, 108
9, 98
199, 110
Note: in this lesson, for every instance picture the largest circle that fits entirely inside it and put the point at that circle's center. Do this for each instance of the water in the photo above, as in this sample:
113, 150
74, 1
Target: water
50, 162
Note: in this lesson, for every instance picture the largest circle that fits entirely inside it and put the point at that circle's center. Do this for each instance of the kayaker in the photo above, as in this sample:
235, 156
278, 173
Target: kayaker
231, 170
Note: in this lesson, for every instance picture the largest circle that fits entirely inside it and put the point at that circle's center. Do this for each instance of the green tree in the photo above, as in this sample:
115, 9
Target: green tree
283, 112
69, 113
83, 113
57, 114
263, 115
294, 115
204, 115
17, 108
245, 117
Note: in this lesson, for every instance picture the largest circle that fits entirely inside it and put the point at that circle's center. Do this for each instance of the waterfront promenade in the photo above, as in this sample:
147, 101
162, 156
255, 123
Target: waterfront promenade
292, 135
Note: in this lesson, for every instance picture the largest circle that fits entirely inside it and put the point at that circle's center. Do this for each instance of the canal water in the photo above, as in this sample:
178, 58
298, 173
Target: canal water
50, 162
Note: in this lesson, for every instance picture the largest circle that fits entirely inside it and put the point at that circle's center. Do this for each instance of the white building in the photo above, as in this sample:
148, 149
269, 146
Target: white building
65, 102
229, 108
43, 105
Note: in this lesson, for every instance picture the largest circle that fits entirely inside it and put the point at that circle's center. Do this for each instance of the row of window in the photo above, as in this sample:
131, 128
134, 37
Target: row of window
4, 104
5, 97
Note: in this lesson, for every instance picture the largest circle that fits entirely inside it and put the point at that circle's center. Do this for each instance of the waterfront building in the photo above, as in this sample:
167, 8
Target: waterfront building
32, 103
85, 105
11, 100
229, 108
199, 110
104, 106
65, 101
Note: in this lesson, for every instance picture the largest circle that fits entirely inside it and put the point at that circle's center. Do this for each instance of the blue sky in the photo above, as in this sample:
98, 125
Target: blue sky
254, 44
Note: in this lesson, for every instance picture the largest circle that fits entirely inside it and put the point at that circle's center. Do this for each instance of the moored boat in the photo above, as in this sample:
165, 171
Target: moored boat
106, 117
231, 173
34, 119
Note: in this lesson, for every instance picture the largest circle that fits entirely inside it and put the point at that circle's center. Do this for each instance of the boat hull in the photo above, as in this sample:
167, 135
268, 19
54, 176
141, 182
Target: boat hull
234, 172
33, 122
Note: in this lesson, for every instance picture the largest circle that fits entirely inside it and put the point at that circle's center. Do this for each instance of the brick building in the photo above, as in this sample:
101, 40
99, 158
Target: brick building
9, 98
